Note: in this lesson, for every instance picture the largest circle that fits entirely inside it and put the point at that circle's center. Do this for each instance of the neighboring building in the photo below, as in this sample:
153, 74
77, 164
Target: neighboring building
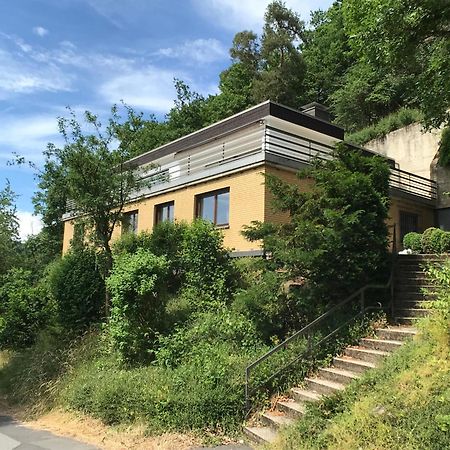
217, 173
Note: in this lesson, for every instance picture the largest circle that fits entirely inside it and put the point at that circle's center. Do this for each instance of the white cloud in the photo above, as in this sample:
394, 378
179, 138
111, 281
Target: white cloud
40, 31
28, 224
238, 15
27, 136
150, 88
197, 51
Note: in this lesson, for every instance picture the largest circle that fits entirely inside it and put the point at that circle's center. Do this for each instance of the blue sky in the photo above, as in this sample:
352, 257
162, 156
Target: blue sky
90, 54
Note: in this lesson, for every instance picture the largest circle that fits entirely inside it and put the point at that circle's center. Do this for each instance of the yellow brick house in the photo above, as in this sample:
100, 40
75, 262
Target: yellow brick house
217, 173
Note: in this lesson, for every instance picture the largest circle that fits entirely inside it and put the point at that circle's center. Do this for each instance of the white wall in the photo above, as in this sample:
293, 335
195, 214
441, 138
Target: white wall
412, 149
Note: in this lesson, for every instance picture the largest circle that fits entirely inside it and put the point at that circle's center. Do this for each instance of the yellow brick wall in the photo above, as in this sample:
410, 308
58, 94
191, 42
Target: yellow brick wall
247, 202
271, 215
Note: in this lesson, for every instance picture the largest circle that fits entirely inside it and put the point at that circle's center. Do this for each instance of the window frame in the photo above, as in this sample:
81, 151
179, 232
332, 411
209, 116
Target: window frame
404, 216
130, 226
156, 220
199, 205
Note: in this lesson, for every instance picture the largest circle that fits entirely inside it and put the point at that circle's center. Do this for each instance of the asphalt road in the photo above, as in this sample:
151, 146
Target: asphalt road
14, 436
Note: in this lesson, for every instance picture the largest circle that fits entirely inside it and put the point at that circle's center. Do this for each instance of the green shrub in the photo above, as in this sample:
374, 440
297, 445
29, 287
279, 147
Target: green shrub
25, 309
440, 277
392, 122
436, 241
78, 289
444, 148
413, 241
208, 271
209, 329
445, 242
138, 287
428, 240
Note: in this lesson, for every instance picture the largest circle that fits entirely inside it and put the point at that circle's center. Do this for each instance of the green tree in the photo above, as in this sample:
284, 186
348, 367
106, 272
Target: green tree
407, 37
9, 230
327, 55
282, 66
336, 238
97, 179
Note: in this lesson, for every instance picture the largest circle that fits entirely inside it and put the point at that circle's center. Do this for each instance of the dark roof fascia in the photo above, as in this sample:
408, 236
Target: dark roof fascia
235, 122
306, 120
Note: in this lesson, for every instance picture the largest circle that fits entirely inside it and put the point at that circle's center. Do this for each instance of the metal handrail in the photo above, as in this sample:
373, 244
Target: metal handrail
305, 331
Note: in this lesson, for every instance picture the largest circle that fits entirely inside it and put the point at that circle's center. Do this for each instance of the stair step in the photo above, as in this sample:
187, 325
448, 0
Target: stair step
262, 435
380, 344
337, 375
292, 409
353, 364
414, 287
416, 295
412, 312
396, 333
406, 320
414, 304
276, 419
305, 395
322, 386
369, 355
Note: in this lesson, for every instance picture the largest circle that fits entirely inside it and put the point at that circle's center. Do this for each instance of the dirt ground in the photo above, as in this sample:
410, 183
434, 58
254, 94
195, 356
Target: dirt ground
93, 432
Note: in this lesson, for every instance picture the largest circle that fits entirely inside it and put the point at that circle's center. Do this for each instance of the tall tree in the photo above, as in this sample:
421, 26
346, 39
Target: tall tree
9, 229
407, 37
327, 54
282, 65
95, 174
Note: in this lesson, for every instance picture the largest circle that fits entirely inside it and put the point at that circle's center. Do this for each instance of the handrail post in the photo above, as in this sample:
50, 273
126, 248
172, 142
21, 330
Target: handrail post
247, 399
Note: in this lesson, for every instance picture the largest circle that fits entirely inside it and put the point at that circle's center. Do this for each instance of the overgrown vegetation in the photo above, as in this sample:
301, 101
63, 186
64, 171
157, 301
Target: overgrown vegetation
392, 122
404, 404
432, 240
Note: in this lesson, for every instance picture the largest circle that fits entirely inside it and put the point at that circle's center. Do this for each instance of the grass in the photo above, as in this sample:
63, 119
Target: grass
405, 404
392, 122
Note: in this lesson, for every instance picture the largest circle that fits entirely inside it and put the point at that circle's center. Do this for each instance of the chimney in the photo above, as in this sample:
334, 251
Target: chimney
317, 110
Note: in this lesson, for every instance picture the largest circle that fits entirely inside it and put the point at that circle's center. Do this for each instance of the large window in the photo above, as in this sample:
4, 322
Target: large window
409, 222
164, 212
130, 222
214, 206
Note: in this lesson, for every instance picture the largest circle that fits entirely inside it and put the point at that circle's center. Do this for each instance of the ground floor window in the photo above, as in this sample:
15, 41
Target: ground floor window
214, 206
164, 212
409, 222
130, 222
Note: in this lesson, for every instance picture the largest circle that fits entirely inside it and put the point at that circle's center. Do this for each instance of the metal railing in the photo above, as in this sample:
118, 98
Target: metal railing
291, 147
316, 333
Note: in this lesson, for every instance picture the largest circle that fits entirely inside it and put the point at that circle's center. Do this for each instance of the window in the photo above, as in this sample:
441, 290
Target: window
409, 222
130, 222
214, 206
164, 212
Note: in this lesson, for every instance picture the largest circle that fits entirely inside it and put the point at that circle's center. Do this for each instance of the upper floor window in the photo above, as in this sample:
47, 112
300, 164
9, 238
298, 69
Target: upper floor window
164, 212
214, 206
130, 222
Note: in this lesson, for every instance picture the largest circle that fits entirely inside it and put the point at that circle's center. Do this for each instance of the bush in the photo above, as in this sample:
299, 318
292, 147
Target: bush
429, 240
138, 297
209, 276
209, 329
413, 241
392, 122
78, 289
25, 309
445, 242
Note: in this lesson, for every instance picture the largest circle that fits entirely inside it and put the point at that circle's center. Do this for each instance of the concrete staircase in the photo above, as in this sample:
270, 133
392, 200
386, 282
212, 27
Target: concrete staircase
410, 282
345, 368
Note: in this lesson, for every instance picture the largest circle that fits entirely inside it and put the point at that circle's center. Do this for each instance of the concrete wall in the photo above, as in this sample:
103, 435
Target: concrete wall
412, 149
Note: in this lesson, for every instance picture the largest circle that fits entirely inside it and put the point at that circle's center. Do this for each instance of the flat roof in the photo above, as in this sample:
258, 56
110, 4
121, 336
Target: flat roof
242, 119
